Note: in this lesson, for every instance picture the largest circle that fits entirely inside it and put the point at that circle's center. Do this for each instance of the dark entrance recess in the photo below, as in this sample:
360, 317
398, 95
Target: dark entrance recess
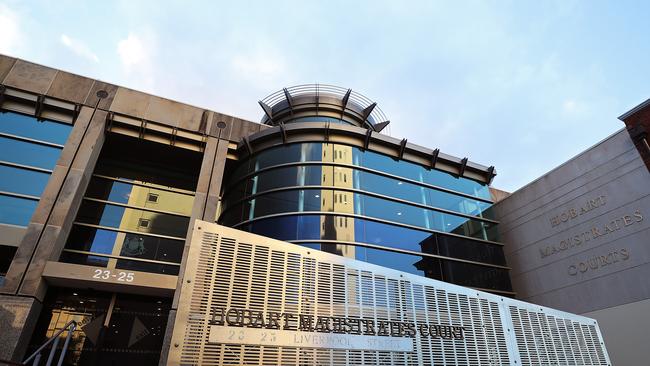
113, 329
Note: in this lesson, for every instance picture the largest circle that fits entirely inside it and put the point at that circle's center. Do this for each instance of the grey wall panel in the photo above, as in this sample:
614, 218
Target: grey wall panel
579, 237
631, 323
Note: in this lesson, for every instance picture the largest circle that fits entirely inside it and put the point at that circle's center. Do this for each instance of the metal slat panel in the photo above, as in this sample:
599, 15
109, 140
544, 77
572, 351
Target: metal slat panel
230, 269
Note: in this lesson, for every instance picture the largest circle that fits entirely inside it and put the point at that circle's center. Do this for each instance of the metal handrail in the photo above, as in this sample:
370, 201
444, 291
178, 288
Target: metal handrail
54, 340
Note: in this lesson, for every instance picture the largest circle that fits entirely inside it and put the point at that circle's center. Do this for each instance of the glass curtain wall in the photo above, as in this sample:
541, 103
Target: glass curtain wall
136, 211
29, 149
371, 207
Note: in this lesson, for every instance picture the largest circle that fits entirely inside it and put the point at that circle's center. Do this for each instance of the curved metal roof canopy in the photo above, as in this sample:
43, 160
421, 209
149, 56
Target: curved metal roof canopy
311, 100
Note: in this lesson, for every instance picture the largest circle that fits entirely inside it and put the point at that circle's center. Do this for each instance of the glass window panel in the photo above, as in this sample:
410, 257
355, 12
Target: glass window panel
287, 228
26, 126
148, 247
287, 177
233, 214
85, 259
391, 187
16, 211
132, 219
109, 190
449, 181
377, 233
338, 153
286, 201
22, 181
128, 244
135, 265
452, 202
280, 155
455, 247
27, 153
473, 275
346, 202
393, 211
398, 261
135, 195
91, 240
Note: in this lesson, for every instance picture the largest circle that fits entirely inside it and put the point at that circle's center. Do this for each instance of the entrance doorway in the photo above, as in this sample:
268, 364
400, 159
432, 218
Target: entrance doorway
113, 328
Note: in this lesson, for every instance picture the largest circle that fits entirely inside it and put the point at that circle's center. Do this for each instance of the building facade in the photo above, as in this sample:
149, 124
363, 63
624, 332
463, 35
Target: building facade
103, 184
577, 238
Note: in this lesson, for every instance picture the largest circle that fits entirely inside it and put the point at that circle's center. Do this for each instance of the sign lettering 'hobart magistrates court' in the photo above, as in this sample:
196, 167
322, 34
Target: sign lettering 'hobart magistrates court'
286, 329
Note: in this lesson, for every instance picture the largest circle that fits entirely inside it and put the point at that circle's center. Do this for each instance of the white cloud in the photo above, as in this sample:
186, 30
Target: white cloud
11, 35
262, 66
79, 48
141, 64
132, 51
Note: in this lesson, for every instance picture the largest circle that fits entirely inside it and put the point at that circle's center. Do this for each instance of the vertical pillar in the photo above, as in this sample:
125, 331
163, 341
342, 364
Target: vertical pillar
24, 287
206, 201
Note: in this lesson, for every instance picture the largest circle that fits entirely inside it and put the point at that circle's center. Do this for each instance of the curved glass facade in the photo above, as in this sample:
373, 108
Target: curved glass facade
372, 207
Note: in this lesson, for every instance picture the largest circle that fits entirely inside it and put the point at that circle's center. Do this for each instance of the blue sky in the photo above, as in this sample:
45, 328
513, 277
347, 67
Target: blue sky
521, 85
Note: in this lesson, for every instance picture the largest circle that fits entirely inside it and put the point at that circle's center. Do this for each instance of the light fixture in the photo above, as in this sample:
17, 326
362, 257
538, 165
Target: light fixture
399, 214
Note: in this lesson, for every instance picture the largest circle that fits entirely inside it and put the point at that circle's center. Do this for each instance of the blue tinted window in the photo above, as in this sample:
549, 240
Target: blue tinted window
345, 202
286, 177
398, 261
392, 211
323, 152
22, 181
25, 126
26, 153
16, 211
390, 187
366, 231
109, 190
133, 245
130, 219
287, 228
386, 164
362, 180
447, 180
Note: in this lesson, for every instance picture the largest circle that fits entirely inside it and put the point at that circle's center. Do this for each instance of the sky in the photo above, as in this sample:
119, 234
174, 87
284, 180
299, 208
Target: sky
521, 85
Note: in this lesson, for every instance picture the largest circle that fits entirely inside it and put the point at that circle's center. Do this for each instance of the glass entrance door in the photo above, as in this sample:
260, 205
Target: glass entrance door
113, 328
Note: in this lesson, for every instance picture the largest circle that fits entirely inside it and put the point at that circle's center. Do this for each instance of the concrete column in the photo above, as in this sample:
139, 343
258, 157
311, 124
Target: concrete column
47, 232
205, 205
65, 208
17, 313
45, 205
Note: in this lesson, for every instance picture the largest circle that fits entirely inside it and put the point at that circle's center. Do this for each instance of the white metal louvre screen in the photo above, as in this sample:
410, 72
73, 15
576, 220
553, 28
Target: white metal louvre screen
229, 270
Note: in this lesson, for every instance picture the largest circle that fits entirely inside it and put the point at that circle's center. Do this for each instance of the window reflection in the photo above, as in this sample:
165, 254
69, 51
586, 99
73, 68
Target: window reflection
312, 175
26, 126
16, 211
135, 199
25, 153
325, 200
409, 221
30, 154
130, 219
301, 152
22, 181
